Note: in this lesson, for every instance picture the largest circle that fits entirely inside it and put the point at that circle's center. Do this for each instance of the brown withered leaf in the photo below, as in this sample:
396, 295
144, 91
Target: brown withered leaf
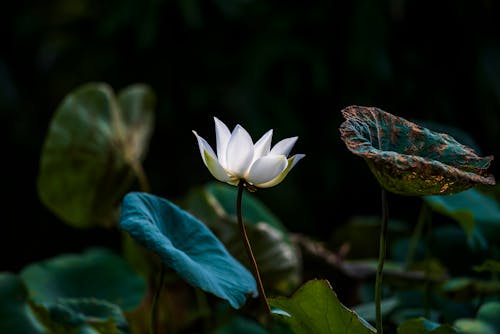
409, 159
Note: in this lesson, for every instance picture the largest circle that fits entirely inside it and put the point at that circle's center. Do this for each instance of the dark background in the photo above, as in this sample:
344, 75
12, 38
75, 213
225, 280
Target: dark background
290, 66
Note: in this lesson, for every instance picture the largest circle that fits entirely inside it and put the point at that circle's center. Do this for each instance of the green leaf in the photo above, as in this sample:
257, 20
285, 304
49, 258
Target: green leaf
489, 312
278, 258
472, 209
489, 265
423, 326
487, 320
186, 245
468, 288
16, 315
473, 326
315, 308
97, 273
82, 316
93, 146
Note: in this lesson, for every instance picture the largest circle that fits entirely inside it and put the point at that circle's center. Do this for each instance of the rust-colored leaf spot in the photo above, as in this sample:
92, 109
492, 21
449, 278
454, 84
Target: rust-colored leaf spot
409, 159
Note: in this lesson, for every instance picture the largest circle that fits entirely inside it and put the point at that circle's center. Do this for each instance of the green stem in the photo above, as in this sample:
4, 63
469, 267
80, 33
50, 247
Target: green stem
154, 312
428, 255
381, 259
139, 172
248, 248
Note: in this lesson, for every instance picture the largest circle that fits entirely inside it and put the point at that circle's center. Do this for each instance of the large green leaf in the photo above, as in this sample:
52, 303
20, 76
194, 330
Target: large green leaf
278, 258
186, 245
92, 150
97, 273
315, 308
16, 315
472, 209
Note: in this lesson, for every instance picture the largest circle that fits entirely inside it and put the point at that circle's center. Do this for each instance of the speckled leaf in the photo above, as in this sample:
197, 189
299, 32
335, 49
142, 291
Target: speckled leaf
97, 273
16, 315
186, 245
315, 308
424, 326
278, 258
408, 159
94, 142
472, 209
82, 316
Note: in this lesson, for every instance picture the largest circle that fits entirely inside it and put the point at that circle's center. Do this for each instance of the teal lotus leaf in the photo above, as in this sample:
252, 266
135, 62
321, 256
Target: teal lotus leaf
186, 245
409, 159
97, 273
93, 149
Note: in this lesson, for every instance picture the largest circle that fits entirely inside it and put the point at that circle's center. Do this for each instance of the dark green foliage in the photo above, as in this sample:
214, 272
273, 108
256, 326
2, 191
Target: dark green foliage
97, 273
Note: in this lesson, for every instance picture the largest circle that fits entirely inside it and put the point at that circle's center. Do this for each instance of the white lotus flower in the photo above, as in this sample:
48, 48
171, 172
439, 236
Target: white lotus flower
238, 158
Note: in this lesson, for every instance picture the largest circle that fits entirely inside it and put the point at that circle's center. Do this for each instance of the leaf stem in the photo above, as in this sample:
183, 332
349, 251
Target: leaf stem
154, 305
139, 172
248, 247
417, 233
381, 259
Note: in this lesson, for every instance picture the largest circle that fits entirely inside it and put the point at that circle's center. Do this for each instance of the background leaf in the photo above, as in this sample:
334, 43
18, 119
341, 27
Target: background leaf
423, 326
97, 273
186, 245
16, 315
475, 211
82, 316
92, 146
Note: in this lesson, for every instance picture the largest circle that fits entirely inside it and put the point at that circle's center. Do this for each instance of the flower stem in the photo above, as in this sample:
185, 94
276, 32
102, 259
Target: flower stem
152, 323
381, 259
248, 248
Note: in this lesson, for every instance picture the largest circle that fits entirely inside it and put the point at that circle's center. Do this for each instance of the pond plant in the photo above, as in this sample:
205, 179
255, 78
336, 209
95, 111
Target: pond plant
408, 159
215, 261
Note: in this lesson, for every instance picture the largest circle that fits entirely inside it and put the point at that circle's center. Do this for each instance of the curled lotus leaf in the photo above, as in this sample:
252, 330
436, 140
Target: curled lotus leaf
186, 245
409, 159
